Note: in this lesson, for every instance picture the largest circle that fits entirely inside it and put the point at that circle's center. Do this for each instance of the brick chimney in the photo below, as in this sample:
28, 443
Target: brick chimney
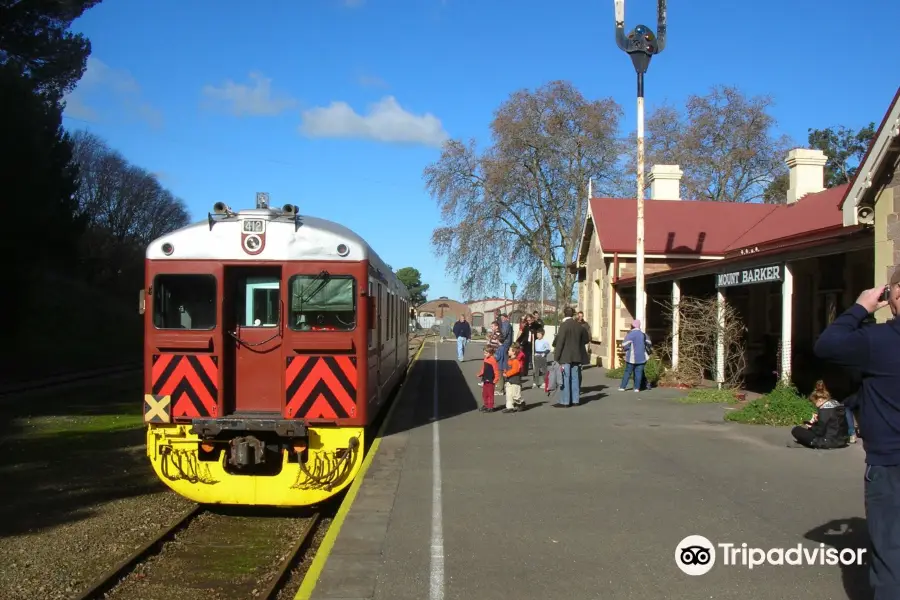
807, 172
665, 182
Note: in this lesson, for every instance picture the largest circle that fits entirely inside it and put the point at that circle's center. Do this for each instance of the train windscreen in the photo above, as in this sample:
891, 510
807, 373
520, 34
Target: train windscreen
323, 302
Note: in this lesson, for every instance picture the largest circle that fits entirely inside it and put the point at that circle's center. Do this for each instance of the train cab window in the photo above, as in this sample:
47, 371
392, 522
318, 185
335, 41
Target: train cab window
322, 302
262, 301
184, 302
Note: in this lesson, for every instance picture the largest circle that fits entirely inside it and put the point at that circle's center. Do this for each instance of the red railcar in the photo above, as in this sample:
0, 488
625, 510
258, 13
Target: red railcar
272, 340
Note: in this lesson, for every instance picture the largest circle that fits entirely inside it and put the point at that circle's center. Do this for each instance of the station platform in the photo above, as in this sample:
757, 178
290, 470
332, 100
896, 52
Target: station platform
584, 502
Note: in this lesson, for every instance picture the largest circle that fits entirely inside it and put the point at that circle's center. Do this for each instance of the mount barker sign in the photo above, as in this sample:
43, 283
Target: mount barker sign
749, 276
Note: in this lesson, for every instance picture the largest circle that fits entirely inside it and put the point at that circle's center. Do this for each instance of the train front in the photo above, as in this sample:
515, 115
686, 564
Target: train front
255, 354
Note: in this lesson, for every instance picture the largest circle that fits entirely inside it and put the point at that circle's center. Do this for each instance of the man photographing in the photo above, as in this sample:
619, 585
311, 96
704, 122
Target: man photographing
872, 351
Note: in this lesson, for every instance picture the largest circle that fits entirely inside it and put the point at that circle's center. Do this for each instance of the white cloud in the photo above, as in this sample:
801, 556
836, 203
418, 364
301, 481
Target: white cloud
246, 100
386, 122
118, 83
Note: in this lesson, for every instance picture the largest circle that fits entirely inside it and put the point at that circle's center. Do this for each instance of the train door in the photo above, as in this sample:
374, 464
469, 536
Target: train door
254, 322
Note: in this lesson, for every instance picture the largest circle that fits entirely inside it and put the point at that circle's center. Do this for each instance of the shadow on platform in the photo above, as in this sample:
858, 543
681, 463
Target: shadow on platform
849, 533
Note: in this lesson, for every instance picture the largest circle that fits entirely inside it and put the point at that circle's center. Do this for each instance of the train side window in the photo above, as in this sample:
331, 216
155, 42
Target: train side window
184, 302
322, 302
371, 329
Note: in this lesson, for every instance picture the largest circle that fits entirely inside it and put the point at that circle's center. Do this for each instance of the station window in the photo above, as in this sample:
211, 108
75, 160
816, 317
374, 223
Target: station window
323, 302
184, 302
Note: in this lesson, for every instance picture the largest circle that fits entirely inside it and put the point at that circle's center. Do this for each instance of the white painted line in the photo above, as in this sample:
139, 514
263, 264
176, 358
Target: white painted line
437, 528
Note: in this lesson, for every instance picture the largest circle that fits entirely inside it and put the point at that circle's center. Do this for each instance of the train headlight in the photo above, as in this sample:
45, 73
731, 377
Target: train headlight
168, 249
343, 250
252, 243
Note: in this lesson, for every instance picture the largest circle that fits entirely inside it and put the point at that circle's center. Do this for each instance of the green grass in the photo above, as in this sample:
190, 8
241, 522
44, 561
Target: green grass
709, 396
783, 406
78, 425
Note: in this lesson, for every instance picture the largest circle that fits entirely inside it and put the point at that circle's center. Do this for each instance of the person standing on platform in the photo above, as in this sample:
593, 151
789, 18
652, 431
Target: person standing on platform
489, 376
870, 349
635, 345
541, 351
506, 340
569, 351
463, 333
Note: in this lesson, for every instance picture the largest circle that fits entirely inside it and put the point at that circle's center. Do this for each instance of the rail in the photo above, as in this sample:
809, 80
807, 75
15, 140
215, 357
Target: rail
108, 579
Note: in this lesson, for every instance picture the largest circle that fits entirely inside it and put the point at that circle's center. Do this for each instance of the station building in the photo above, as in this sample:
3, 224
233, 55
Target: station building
788, 269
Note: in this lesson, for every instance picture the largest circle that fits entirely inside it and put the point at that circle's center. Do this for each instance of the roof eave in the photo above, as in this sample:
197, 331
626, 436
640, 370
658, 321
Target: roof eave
796, 244
587, 230
888, 132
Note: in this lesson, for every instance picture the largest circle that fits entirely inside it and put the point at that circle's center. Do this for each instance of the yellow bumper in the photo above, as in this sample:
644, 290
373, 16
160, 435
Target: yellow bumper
330, 468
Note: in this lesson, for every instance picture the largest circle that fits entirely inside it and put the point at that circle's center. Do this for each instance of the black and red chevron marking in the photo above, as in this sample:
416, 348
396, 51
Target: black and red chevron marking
191, 380
320, 387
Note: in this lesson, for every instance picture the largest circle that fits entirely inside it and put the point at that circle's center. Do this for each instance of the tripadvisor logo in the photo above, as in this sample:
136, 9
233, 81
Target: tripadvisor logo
696, 555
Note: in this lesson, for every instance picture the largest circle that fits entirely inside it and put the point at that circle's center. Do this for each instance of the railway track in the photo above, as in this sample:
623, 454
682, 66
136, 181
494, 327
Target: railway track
213, 554
207, 553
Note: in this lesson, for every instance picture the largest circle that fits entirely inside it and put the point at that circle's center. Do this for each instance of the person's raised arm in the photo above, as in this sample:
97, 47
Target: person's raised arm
844, 342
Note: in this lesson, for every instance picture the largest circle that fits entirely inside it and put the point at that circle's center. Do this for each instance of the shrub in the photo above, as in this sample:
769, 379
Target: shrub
782, 406
653, 370
709, 396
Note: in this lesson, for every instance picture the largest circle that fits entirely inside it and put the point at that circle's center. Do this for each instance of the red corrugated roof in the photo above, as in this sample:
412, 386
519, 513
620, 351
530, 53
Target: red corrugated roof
674, 226
811, 213
709, 228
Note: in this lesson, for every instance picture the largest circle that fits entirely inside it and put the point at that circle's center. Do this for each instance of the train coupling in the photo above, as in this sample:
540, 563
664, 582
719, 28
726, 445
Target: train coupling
246, 451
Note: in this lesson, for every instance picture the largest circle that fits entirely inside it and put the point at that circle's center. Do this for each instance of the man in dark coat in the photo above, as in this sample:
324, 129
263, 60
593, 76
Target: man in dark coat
870, 350
568, 345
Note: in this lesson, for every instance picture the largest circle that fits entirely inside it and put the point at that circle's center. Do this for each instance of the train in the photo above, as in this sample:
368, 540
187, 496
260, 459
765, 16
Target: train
272, 341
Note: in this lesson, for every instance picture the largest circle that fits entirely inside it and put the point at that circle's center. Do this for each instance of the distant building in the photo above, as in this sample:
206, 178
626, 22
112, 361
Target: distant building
436, 312
483, 310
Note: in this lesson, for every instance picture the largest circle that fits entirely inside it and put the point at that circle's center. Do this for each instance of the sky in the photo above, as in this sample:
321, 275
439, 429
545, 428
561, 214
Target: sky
337, 106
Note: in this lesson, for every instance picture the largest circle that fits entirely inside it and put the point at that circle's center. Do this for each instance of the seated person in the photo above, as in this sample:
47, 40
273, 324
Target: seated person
828, 426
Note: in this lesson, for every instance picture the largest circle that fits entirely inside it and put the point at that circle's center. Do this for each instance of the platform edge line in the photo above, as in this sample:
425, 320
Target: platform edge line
311, 578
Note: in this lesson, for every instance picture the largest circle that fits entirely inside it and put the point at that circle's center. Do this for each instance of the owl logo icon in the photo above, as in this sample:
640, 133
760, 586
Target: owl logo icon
695, 555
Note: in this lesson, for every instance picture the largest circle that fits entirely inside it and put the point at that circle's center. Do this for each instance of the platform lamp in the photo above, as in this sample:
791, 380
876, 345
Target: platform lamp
560, 275
641, 44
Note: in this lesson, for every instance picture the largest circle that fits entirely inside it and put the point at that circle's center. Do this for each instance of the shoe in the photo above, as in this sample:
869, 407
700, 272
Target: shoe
852, 439
621, 389
480, 384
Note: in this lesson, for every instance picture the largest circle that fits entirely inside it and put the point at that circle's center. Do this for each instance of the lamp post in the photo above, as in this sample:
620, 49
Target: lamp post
512, 290
560, 270
641, 44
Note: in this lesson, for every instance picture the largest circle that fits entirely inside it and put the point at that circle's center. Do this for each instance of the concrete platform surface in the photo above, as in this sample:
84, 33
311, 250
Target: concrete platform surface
586, 502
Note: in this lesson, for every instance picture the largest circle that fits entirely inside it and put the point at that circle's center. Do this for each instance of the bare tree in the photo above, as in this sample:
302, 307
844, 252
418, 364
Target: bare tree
698, 336
125, 208
125, 200
724, 142
521, 203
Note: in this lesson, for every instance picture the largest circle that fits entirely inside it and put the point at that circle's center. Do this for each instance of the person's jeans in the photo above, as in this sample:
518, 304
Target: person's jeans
637, 370
502, 357
882, 485
461, 347
571, 390
851, 423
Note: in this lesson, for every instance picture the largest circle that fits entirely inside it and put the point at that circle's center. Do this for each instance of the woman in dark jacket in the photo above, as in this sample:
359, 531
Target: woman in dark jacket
828, 427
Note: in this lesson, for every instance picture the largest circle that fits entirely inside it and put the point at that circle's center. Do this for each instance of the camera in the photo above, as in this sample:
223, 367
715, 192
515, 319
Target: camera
886, 293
